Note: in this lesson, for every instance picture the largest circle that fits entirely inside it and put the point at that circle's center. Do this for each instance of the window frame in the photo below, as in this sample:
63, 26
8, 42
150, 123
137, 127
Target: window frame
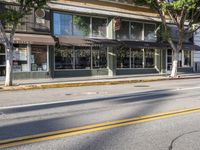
91, 61
83, 15
143, 29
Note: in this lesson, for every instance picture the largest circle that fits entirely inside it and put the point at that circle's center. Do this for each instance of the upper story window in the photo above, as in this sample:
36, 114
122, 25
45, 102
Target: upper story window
99, 26
77, 25
149, 32
141, 3
175, 34
81, 25
137, 31
62, 24
123, 33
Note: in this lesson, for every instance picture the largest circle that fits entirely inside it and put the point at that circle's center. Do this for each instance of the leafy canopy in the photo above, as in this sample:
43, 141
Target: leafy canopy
16, 10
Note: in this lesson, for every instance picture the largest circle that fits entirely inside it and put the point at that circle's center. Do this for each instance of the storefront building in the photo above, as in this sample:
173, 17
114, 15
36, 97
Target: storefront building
92, 38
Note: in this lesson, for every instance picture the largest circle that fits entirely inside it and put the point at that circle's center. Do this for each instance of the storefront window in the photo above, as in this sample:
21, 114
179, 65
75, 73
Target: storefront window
64, 58
81, 26
20, 59
2, 49
187, 58
2, 56
149, 58
39, 58
123, 33
136, 31
137, 58
180, 58
99, 26
82, 58
62, 24
149, 33
2, 61
99, 58
123, 58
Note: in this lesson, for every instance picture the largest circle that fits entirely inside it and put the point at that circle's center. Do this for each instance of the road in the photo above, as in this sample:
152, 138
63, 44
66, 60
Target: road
161, 115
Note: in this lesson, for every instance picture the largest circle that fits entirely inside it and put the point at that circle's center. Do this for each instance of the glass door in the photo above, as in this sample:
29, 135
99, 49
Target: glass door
169, 60
2, 61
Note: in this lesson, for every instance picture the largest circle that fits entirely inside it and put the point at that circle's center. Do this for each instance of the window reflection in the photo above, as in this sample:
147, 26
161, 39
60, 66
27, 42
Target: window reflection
123, 56
20, 59
187, 58
39, 58
62, 24
136, 31
99, 57
137, 58
149, 33
149, 58
81, 26
64, 58
99, 27
123, 33
82, 58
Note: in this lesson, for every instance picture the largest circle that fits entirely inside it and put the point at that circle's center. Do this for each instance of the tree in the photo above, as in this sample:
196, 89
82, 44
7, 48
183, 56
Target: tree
11, 15
184, 14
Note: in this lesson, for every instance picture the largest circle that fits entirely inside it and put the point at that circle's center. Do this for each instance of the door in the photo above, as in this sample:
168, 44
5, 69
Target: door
169, 60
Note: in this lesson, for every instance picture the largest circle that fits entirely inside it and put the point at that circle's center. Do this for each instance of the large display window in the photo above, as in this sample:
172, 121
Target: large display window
20, 59
99, 58
39, 58
135, 58
64, 58
123, 58
2, 61
82, 58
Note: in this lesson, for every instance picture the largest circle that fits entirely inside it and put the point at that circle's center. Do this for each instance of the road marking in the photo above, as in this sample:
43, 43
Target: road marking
92, 128
149, 93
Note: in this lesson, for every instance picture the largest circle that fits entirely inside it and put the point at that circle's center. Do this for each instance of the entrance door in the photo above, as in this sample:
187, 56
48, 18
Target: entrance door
169, 60
2, 62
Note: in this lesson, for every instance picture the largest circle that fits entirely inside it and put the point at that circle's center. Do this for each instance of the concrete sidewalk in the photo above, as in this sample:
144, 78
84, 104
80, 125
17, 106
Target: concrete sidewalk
29, 84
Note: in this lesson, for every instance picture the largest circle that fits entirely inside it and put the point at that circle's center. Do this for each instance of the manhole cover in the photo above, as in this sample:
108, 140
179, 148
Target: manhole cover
68, 94
141, 86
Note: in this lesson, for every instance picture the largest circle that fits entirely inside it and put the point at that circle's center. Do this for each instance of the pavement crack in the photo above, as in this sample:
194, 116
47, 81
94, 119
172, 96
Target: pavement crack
178, 137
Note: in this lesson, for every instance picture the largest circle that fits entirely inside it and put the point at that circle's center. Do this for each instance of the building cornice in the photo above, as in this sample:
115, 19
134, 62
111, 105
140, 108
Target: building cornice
109, 11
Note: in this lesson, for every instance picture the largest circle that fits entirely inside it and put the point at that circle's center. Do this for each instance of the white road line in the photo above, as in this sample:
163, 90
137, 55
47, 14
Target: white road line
76, 100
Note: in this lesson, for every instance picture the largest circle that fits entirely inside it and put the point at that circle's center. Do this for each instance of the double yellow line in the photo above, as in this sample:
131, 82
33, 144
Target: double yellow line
92, 128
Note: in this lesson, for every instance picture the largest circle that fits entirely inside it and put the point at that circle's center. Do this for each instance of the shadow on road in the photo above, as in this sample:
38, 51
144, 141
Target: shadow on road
125, 98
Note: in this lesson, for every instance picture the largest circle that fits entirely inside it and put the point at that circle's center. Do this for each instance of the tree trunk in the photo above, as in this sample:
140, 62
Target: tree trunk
9, 57
9, 64
174, 64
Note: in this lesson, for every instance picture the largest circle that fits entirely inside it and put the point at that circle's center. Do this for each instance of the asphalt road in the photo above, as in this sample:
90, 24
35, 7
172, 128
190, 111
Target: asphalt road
58, 111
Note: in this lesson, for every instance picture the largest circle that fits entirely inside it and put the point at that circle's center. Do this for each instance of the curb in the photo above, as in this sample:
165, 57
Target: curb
94, 83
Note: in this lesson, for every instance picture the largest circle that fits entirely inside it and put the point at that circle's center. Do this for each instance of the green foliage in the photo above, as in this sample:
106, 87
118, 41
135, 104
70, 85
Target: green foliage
13, 12
82, 23
177, 12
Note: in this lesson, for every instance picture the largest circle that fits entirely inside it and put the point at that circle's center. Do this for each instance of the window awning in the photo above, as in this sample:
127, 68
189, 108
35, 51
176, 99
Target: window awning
87, 42
157, 45
34, 39
143, 44
190, 46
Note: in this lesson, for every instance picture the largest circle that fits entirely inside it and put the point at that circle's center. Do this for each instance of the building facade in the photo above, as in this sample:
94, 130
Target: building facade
92, 38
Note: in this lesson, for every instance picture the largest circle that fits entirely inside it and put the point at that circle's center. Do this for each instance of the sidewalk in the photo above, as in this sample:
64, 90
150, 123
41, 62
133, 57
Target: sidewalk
29, 84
